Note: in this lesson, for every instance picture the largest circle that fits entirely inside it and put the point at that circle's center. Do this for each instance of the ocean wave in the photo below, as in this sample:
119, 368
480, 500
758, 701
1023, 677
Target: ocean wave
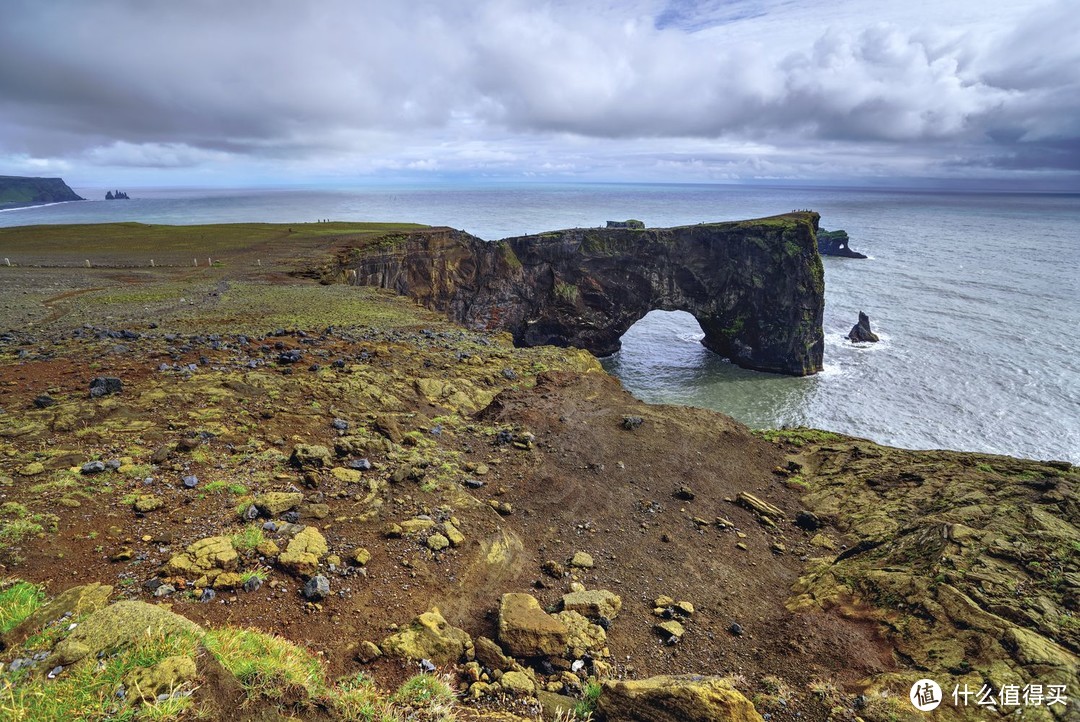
39, 205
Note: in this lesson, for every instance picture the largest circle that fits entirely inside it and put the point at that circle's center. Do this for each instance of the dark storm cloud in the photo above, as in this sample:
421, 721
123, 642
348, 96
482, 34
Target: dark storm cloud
178, 84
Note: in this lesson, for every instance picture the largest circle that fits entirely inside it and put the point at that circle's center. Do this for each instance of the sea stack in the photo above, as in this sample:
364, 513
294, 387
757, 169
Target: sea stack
860, 332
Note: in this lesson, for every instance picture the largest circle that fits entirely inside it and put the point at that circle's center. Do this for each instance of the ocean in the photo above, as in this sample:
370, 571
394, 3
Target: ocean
976, 297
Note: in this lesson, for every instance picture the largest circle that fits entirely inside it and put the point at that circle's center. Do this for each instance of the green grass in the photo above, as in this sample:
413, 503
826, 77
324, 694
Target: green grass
589, 696
266, 665
218, 487
261, 574
424, 690
356, 699
18, 600
17, 523
87, 692
139, 242
248, 538
800, 436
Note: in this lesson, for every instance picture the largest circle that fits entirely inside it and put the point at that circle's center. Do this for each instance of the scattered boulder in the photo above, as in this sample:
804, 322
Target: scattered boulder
489, 654
807, 521
526, 630
595, 603
517, 684
583, 637
755, 504
317, 588
685, 698
304, 552
670, 629
34, 468
860, 332
311, 456
44, 401
92, 467
228, 580
582, 560
145, 503
388, 427
104, 386
349, 476
205, 558
275, 503
368, 652
451, 532
429, 636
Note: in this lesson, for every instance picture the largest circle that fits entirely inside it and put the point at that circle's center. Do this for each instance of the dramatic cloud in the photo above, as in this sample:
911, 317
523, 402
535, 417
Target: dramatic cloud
680, 90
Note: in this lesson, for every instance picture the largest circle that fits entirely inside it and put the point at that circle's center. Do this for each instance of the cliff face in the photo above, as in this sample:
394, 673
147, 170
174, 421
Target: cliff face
756, 287
19, 191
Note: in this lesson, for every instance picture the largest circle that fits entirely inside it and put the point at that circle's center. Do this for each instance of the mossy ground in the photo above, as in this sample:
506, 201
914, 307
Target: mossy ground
967, 570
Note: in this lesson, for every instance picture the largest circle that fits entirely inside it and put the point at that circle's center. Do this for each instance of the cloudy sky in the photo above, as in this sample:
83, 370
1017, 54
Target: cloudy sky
243, 92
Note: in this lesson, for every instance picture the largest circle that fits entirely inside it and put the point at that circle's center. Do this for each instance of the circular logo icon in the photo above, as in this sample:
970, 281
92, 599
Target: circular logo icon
925, 695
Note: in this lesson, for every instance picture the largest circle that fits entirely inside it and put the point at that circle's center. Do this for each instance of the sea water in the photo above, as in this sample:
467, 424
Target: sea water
976, 297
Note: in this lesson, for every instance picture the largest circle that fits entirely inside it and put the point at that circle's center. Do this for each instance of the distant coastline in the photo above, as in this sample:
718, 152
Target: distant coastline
26, 192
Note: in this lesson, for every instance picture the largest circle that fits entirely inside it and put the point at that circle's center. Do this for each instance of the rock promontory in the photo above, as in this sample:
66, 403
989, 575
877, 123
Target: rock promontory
756, 287
21, 191
835, 243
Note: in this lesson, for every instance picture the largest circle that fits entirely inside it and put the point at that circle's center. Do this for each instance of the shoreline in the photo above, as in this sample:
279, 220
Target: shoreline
27, 206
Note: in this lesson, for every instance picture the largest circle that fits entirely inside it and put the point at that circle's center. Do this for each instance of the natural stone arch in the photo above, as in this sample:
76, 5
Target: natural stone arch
755, 287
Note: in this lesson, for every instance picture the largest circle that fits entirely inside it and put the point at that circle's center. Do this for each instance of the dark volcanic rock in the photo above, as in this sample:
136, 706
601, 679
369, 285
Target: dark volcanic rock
835, 243
317, 588
44, 401
756, 287
105, 385
860, 332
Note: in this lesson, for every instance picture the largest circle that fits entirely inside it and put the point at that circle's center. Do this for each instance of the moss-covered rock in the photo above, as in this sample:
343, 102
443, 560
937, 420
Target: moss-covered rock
165, 677
205, 558
304, 552
429, 636
688, 698
276, 503
115, 626
526, 630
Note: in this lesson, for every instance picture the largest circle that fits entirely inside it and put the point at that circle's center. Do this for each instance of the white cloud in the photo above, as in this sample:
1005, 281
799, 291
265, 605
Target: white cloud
584, 88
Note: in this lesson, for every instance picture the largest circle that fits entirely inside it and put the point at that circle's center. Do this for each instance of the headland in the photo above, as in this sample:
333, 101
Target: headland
314, 491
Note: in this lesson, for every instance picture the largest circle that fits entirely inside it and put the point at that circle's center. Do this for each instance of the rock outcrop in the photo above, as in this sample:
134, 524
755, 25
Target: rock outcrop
687, 698
756, 287
835, 243
860, 332
20, 191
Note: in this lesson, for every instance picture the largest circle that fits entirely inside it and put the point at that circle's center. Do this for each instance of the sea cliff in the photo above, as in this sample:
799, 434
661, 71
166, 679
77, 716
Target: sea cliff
20, 191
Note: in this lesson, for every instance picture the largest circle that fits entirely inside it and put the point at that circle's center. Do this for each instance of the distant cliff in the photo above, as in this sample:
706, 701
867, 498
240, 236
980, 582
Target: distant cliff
756, 287
20, 191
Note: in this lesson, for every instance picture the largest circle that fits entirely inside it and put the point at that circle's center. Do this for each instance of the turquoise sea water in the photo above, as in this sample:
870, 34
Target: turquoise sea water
976, 298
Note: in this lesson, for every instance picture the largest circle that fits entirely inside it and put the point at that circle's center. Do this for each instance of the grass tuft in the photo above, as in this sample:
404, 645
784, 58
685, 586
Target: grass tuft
267, 665
18, 600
